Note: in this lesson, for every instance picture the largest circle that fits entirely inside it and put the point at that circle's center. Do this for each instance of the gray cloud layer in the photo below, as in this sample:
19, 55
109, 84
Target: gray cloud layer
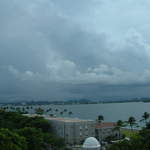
74, 49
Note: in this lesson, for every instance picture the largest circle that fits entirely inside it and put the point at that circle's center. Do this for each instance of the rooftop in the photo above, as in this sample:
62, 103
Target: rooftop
66, 119
105, 125
59, 118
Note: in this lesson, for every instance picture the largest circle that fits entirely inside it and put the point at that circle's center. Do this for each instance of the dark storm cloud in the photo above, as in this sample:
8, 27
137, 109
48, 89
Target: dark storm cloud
74, 49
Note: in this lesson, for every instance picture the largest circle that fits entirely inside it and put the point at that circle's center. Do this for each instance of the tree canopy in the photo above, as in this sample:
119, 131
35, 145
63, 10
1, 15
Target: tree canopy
10, 140
19, 132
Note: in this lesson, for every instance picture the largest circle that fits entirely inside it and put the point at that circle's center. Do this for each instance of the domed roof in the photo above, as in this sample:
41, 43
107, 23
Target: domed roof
91, 142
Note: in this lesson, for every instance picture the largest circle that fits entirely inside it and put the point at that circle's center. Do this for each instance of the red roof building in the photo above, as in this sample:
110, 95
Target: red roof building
105, 129
106, 125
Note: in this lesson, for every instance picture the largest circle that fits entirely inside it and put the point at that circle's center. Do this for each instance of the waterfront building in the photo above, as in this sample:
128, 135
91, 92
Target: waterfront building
105, 129
74, 131
91, 143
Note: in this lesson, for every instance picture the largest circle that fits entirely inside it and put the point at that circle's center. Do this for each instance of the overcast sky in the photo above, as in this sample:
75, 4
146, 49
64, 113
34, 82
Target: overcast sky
65, 49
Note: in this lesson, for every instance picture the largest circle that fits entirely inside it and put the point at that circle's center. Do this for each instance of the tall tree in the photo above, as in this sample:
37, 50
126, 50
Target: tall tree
118, 127
132, 122
39, 111
70, 113
61, 112
145, 117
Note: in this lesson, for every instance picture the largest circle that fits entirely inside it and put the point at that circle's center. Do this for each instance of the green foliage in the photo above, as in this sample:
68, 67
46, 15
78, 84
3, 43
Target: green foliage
11, 141
12, 120
54, 141
18, 132
70, 112
129, 133
39, 111
111, 138
131, 121
119, 124
145, 117
133, 144
34, 137
38, 122
140, 141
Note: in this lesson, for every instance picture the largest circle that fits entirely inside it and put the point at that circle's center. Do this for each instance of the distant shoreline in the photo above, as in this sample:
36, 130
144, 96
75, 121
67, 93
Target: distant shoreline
76, 102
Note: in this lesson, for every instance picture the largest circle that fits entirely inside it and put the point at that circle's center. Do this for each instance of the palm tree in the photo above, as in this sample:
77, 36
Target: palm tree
47, 110
145, 117
100, 118
70, 113
39, 111
56, 110
61, 113
132, 122
119, 125
65, 110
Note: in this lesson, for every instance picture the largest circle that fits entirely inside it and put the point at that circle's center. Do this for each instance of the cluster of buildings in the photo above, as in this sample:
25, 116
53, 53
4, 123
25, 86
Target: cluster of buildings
75, 131
88, 133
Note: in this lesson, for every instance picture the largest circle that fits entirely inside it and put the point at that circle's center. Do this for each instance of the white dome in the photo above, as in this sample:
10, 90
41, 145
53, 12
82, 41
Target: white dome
90, 143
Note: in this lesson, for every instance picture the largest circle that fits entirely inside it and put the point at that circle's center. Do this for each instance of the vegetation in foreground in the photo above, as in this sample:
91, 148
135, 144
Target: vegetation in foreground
18, 132
137, 140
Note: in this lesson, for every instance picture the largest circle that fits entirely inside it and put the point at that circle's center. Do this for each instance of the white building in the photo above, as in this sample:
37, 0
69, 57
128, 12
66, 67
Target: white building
74, 131
91, 143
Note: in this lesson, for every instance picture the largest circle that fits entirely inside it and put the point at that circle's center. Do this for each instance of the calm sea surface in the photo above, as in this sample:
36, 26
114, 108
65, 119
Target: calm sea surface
111, 111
